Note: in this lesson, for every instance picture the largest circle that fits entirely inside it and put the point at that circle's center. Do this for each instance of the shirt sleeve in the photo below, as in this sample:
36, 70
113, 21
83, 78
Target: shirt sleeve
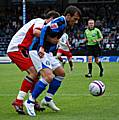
38, 26
55, 26
39, 23
43, 34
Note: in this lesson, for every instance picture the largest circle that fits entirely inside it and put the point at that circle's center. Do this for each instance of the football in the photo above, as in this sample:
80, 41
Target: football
97, 88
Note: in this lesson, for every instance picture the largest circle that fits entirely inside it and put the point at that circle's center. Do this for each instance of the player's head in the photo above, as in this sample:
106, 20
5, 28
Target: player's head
72, 15
51, 15
91, 23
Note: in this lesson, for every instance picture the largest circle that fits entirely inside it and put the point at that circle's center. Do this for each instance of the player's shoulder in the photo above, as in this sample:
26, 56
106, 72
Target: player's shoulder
38, 20
64, 36
59, 20
97, 29
86, 30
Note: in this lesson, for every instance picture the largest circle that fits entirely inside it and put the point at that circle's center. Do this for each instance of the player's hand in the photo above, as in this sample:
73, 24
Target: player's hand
41, 52
94, 40
24, 51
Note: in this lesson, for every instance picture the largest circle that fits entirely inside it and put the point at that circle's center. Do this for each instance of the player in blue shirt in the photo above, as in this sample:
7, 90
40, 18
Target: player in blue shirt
49, 68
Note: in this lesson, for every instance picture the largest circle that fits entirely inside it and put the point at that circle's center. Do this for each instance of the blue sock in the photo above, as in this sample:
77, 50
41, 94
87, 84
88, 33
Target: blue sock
29, 101
53, 87
39, 87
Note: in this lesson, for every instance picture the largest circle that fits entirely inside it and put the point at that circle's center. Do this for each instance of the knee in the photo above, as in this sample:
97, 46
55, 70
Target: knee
34, 75
89, 60
61, 73
49, 78
97, 60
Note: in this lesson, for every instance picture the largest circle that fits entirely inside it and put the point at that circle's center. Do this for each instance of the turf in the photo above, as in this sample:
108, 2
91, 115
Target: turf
73, 97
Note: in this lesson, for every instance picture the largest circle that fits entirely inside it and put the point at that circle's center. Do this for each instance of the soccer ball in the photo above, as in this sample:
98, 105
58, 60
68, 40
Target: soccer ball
97, 88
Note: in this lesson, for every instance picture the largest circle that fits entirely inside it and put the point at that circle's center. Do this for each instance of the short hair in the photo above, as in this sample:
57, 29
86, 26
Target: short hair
72, 10
91, 19
53, 14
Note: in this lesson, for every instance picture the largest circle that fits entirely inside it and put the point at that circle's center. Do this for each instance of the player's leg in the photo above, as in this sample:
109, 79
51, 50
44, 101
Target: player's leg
40, 86
58, 56
59, 53
97, 60
24, 64
54, 86
69, 56
89, 67
44, 67
26, 86
71, 64
97, 53
90, 53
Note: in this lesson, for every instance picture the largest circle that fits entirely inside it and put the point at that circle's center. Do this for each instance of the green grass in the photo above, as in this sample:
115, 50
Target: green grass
73, 97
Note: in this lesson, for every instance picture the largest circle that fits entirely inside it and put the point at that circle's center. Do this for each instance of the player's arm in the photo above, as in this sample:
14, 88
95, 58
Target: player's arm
37, 29
36, 32
56, 26
68, 45
41, 41
99, 35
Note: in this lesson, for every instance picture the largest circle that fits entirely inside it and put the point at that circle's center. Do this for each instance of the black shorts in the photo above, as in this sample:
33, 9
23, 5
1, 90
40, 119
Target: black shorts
93, 50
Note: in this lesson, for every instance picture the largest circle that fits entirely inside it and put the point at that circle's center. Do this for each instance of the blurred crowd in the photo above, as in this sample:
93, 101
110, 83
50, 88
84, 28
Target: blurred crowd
106, 17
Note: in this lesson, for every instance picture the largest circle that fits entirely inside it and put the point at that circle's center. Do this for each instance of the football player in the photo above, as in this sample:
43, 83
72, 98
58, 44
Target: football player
64, 48
49, 67
18, 53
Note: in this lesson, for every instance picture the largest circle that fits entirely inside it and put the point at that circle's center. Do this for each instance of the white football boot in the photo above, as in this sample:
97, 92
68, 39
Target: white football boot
50, 104
30, 108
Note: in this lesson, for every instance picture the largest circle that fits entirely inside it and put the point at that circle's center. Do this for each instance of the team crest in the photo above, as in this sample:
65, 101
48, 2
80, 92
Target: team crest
54, 26
93, 35
47, 63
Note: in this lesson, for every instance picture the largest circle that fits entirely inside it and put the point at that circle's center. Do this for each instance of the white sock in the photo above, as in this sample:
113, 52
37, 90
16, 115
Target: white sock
21, 95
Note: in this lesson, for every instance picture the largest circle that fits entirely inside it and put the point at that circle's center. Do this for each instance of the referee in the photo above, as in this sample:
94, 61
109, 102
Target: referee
93, 36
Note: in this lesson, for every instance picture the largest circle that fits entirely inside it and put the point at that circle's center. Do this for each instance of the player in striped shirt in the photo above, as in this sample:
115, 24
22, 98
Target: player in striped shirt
18, 53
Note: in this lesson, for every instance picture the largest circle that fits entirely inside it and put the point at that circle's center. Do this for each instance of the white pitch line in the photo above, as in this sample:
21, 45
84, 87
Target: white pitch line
65, 95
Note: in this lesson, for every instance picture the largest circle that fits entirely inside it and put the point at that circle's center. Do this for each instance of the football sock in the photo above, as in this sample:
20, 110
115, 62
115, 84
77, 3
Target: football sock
27, 84
53, 87
71, 64
39, 87
21, 95
61, 60
25, 87
19, 102
34, 83
90, 68
100, 65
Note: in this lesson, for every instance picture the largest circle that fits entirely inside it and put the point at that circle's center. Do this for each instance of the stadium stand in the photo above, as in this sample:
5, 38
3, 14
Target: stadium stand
106, 16
4, 41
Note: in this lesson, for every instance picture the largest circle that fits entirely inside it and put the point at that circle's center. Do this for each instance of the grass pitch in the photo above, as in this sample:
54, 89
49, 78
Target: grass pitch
73, 97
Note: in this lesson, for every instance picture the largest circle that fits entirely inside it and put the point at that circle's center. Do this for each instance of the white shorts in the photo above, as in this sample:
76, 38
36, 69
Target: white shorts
48, 61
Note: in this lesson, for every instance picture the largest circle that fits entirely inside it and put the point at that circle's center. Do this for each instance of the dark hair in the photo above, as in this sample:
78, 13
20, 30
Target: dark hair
72, 10
53, 14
